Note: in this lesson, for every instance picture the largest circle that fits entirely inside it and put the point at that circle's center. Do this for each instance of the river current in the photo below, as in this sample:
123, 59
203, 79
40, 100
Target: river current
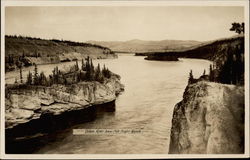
152, 88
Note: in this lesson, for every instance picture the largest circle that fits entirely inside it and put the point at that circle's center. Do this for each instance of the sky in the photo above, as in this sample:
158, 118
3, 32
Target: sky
122, 23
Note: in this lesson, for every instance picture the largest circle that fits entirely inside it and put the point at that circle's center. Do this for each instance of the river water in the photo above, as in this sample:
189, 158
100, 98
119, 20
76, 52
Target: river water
152, 88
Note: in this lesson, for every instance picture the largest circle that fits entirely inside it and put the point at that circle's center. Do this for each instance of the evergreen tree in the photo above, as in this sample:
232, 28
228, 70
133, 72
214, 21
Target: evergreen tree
204, 73
83, 65
81, 76
56, 75
29, 78
226, 72
108, 73
90, 71
42, 79
77, 67
191, 77
92, 66
211, 73
36, 77
65, 80
21, 74
98, 74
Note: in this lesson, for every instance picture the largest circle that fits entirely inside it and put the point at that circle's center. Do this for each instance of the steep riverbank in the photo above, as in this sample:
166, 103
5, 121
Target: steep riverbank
25, 105
29, 51
209, 120
217, 50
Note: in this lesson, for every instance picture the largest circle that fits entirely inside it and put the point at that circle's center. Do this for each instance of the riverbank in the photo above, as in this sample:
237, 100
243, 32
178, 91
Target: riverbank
28, 51
209, 120
28, 105
217, 50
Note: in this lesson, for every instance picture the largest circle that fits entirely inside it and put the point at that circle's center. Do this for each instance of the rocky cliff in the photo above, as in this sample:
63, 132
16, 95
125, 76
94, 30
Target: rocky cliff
27, 104
209, 120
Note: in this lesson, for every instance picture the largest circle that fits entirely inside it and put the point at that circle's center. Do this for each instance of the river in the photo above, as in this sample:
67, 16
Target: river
152, 88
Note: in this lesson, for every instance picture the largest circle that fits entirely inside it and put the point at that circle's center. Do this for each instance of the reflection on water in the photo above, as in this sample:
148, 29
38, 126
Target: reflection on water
152, 88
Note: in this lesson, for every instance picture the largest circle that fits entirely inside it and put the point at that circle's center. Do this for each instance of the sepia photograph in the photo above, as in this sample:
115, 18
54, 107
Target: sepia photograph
83, 79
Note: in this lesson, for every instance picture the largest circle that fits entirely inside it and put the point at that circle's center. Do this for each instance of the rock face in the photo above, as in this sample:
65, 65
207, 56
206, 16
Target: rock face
24, 105
209, 120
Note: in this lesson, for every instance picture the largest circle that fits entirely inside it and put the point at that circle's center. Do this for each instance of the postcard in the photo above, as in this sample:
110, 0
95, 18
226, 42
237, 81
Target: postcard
124, 79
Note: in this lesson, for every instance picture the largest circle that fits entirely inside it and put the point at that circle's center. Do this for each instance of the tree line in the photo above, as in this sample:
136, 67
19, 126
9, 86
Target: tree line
87, 72
230, 68
67, 42
230, 71
227, 71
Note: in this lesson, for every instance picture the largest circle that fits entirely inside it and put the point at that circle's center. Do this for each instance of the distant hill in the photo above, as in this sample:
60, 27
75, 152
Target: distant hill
227, 55
29, 51
140, 46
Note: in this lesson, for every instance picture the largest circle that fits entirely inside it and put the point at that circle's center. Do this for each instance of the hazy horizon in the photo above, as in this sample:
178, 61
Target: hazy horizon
123, 23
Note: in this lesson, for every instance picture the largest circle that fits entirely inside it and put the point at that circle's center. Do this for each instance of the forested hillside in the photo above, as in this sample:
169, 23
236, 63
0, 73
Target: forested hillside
27, 51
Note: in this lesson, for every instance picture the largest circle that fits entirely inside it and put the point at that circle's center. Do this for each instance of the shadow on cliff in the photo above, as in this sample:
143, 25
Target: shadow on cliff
29, 137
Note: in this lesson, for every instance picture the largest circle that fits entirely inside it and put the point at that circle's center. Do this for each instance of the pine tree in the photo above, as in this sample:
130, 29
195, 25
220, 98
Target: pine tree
77, 67
83, 65
81, 76
29, 78
88, 69
92, 66
42, 79
204, 73
191, 77
226, 72
98, 74
36, 77
21, 74
211, 73
55, 75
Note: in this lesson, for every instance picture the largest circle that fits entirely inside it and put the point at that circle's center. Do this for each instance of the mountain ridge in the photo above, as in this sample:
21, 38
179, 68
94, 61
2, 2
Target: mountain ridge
137, 45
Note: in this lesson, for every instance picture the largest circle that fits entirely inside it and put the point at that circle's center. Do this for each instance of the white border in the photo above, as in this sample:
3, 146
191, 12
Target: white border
244, 3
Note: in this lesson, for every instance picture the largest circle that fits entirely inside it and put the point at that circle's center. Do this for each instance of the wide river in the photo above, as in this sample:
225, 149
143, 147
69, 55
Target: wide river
152, 88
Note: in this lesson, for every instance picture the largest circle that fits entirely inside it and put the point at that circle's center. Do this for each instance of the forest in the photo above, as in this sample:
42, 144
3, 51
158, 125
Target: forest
228, 65
86, 72
227, 70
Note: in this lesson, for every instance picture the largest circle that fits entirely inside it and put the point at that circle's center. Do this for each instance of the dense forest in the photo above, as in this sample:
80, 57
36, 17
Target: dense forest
228, 60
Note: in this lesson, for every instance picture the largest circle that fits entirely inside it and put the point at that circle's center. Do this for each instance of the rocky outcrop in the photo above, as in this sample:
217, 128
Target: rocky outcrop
26, 104
209, 120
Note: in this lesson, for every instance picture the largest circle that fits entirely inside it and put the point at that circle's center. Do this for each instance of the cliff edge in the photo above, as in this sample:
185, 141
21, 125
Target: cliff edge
24, 105
209, 120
